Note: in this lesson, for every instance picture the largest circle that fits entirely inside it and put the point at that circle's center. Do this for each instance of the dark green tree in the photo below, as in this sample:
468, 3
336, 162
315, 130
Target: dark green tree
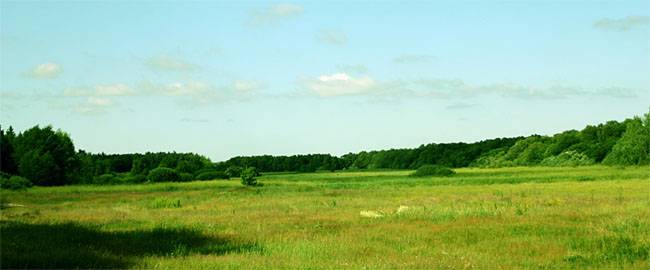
634, 147
248, 176
7, 161
46, 157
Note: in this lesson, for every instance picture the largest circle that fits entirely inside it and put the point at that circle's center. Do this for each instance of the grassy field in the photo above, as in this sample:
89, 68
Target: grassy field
548, 218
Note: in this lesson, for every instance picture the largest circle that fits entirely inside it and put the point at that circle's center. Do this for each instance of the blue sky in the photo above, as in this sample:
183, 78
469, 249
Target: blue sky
247, 77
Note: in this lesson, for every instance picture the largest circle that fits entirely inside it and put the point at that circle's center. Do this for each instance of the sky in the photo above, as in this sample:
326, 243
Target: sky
230, 78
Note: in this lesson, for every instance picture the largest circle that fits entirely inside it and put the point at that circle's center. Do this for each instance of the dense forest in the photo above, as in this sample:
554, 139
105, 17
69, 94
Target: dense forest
47, 157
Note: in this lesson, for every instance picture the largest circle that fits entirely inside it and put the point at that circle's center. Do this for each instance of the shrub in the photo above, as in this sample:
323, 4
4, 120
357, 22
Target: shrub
14, 182
163, 174
186, 177
211, 175
106, 179
633, 148
568, 158
248, 176
134, 179
433, 170
234, 171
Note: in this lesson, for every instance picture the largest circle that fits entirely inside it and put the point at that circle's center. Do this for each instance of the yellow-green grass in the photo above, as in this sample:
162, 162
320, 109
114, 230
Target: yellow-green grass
549, 218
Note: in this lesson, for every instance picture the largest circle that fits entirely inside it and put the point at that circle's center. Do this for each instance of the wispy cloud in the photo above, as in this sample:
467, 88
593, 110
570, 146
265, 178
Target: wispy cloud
339, 84
274, 14
413, 58
342, 84
93, 106
118, 89
444, 88
168, 63
353, 69
623, 24
201, 93
46, 71
461, 106
332, 37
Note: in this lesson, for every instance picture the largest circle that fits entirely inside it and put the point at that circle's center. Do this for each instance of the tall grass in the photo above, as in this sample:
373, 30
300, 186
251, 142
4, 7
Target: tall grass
584, 217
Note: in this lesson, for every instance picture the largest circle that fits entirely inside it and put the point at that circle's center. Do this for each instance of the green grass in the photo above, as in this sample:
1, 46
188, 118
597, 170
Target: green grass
541, 218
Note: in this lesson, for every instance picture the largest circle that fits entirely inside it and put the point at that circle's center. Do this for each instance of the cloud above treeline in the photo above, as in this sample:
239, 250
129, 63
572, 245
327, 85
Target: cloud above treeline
46, 70
413, 58
169, 63
343, 84
339, 84
623, 24
99, 98
332, 37
274, 14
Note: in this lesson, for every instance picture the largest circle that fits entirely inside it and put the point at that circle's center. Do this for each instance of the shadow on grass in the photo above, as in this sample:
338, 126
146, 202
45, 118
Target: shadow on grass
71, 245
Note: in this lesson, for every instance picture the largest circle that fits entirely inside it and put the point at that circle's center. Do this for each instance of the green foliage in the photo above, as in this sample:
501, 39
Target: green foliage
46, 157
212, 175
634, 147
493, 159
186, 177
433, 170
14, 182
163, 174
107, 179
134, 179
234, 171
568, 158
7, 162
248, 176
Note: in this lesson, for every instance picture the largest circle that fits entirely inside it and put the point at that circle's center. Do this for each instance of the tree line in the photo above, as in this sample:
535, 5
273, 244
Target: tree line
47, 157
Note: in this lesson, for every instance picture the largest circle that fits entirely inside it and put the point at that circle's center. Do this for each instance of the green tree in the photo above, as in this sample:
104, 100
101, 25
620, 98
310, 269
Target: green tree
248, 176
46, 157
7, 161
234, 171
163, 174
634, 147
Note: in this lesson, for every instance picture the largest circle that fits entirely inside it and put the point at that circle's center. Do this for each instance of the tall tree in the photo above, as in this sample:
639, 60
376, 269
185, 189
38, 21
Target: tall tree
46, 157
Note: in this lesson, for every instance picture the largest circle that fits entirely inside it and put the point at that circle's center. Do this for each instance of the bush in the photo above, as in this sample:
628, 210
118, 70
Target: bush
633, 148
234, 171
14, 183
248, 176
186, 177
568, 158
163, 174
107, 179
212, 175
433, 170
134, 179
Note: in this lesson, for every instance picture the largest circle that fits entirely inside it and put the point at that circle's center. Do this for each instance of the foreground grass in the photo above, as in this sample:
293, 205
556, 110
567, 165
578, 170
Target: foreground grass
586, 217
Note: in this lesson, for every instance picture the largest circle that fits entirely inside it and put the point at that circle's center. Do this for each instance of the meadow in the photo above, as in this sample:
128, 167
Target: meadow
508, 218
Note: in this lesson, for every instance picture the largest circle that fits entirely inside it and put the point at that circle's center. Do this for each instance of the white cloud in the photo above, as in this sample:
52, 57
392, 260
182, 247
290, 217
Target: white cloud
623, 24
332, 37
246, 86
100, 90
46, 70
340, 84
413, 58
198, 92
168, 63
99, 102
113, 90
93, 106
190, 88
444, 88
354, 69
274, 14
